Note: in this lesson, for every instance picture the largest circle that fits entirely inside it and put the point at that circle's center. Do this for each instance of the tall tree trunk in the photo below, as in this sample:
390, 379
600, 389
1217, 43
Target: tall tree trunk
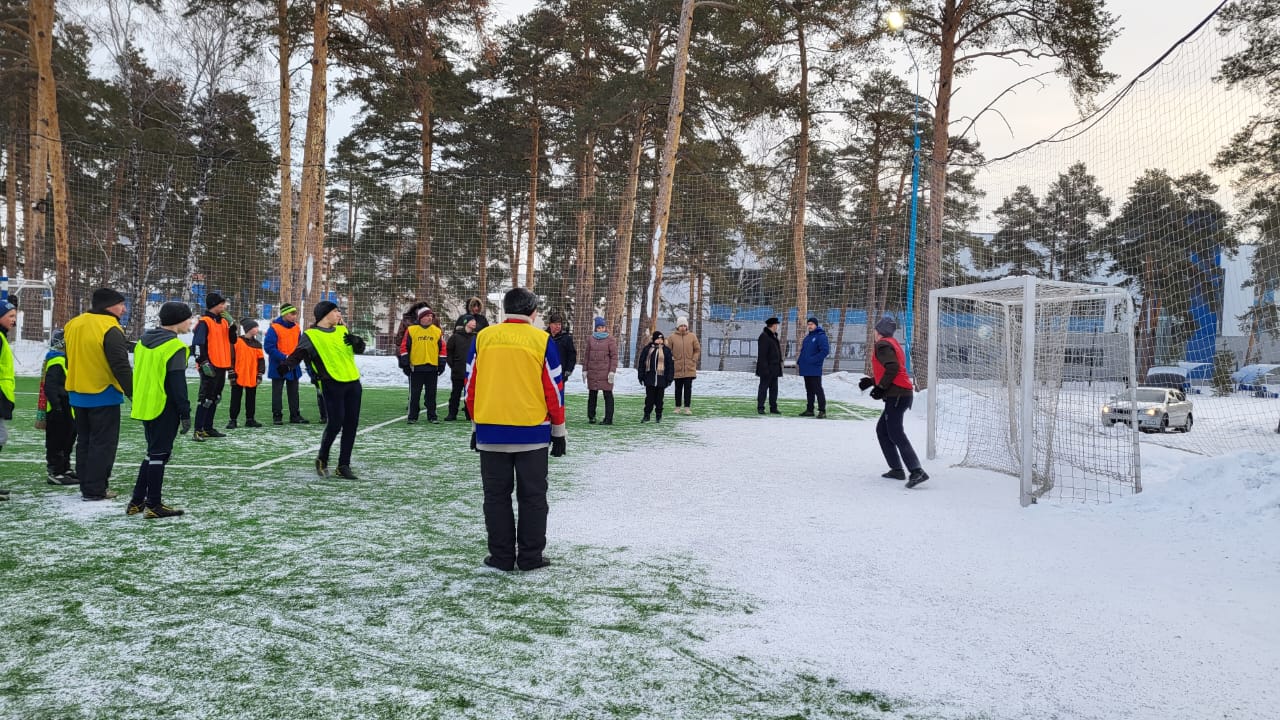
667, 164
514, 238
535, 152
800, 192
37, 203
11, 208
286, 139
618, 279
311, 202
426, 289
482, 281
585, 274
931, 278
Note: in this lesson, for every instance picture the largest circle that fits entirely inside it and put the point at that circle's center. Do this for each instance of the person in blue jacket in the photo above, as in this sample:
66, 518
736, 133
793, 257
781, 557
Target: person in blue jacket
281, 340
813, 352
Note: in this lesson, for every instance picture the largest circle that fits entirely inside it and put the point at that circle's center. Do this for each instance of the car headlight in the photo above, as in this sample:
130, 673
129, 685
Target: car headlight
1153, 412
1106, 408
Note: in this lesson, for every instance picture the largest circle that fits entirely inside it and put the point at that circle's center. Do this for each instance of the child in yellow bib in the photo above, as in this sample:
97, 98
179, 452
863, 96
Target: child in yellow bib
160, 401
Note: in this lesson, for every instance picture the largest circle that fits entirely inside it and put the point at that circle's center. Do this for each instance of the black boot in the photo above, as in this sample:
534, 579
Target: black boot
895, 474
917, 476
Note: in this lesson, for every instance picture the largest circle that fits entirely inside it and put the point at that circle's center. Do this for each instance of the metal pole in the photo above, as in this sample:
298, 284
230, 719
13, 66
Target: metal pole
909, 315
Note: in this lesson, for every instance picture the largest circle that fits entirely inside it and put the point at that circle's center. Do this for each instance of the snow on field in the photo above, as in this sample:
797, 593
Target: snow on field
950, 596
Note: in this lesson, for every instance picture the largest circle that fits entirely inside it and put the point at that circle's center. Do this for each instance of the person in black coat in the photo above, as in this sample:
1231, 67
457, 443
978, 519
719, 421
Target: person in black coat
768, 366
564, 344
656, 370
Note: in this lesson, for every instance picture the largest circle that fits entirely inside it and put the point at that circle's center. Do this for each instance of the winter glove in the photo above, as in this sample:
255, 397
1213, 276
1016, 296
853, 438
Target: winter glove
184, 425
610, 378
259, 378
865, 383
557, 446
877, 393
403, 361
440, 370
349, 339
408, 371
207, 370
231, 375
473, 441
41, 423
230, 320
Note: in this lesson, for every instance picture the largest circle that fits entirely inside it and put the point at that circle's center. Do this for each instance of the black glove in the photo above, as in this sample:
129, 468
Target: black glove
440, 370
865, 383
231, 376
185, 424
349, 339
877, 393
473, 441
557, 446
403, 361
408, 371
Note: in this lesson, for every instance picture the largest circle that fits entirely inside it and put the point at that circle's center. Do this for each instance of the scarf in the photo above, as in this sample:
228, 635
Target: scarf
659, 361
599, 335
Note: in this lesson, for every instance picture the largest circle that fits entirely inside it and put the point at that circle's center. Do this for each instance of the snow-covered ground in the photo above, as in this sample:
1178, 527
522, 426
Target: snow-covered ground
950, 597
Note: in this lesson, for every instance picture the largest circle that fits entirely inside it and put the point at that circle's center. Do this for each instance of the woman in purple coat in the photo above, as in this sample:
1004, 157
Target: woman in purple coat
599, 363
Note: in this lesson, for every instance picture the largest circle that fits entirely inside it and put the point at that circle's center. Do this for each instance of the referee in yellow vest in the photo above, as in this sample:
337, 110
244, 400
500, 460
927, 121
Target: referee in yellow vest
329, 351
99, 378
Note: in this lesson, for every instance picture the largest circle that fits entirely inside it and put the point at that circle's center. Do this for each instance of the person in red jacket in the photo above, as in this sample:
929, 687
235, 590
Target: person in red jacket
893, 385
248, 365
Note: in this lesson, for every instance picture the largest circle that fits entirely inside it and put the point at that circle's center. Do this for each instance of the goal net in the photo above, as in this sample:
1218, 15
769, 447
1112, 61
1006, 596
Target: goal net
1019, 372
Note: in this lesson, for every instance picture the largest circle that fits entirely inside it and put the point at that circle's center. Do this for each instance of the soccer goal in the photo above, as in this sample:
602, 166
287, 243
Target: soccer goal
1019, 371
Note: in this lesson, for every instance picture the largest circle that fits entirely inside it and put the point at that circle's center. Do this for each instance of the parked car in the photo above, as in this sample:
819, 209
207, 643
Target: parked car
1158, 409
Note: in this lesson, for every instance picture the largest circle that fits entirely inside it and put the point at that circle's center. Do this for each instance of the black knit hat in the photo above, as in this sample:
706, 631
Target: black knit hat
657, 334
324, 307
887, 326
462, 321
814, 320
519, 301
172, 313
104, 298
248, 324
213, 300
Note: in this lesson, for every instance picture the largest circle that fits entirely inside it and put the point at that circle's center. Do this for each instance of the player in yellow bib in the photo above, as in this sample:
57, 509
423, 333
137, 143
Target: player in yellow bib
8, 316
160, 401
329, 351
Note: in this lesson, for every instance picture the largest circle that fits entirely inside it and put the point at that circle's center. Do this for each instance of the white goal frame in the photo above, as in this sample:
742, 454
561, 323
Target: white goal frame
1024, 291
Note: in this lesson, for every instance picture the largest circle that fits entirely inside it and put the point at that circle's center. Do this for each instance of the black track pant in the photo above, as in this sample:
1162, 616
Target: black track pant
608, 405
768, 385
526, 473
210, 394
98, 429
455, 398
342, 407
59, 441
813, 389
684, 388
277, 405
160, 432
893, 439
418, 383
654, 398
250, 401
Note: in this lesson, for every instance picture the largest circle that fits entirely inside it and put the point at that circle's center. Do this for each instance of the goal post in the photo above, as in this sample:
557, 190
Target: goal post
1019, 370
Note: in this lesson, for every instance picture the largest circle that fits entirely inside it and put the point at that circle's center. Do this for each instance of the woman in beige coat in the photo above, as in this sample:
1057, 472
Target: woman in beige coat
687, 353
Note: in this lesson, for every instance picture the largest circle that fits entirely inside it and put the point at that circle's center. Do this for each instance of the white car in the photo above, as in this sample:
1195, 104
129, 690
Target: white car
1158, 409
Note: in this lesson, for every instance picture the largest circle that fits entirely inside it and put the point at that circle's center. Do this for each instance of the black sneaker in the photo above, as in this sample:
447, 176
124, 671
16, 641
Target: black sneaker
917, 476
821, 414
199, 436
161, 511
62, 479
434, 421
807, 413
345, 472
277, 421
412, 421
133, 508
322, 467
213, 433
72, 474
252, 424
606, 422
759, 411
895, 474
232, 425
644, 419
539, 563
4, 493
775, 411
299, 421
504, 567
591, 421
